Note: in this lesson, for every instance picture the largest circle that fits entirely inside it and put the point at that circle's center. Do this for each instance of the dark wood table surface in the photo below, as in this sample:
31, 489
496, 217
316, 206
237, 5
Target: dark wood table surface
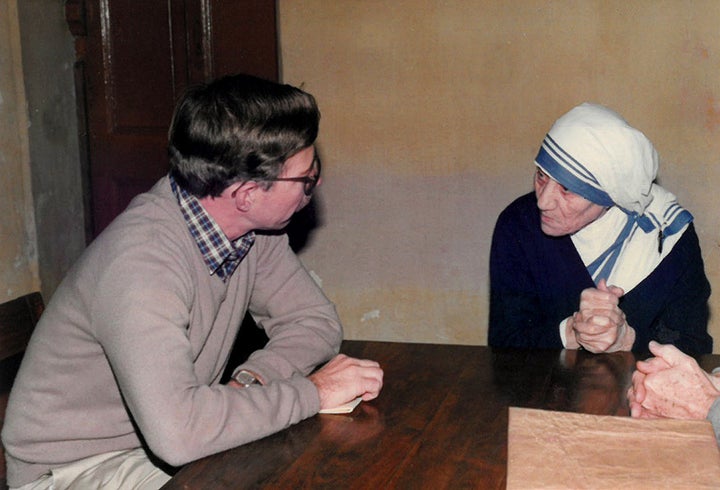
440, 421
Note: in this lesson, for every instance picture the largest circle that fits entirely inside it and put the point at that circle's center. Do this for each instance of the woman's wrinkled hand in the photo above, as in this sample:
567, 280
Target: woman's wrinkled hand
600, 325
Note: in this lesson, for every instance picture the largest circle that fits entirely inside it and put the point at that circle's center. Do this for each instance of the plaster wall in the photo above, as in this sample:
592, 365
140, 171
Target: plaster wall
18, 254
42, 220
433, 113
47, 58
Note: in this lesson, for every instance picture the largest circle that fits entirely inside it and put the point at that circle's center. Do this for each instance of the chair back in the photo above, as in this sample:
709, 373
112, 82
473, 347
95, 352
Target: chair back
17, 321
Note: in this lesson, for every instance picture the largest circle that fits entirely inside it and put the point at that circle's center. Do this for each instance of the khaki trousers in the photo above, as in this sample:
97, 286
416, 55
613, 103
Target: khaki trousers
130, 469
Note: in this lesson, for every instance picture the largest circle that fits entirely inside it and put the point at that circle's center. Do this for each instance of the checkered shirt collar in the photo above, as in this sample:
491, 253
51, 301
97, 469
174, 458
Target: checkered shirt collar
220, 254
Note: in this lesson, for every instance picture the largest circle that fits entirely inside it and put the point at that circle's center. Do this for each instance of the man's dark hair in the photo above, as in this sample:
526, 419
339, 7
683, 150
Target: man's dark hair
238, 128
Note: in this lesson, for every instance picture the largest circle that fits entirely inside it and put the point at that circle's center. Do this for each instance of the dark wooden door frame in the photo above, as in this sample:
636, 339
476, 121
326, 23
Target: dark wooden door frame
207, 39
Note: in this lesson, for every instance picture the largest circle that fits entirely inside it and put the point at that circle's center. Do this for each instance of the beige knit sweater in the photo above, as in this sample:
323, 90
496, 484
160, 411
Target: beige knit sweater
133, 344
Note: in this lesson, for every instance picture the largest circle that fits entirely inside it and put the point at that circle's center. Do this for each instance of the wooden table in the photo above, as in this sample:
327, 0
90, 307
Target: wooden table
440, 421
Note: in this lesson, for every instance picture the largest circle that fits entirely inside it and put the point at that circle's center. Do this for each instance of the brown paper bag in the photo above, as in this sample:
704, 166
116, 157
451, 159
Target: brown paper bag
559, 450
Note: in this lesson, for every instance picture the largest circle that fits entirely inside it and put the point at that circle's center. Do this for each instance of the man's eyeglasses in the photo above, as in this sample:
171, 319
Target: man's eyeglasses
310, 182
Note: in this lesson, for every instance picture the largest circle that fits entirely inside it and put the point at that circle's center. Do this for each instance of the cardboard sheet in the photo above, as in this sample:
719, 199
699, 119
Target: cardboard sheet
559, 450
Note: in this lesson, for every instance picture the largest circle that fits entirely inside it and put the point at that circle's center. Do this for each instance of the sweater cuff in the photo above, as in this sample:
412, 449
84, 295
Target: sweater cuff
263, 366
308, 395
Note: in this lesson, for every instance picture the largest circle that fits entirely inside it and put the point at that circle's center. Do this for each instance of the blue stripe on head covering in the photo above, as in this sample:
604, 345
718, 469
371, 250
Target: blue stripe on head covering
673, 220
681, 218
601, 267
557, 163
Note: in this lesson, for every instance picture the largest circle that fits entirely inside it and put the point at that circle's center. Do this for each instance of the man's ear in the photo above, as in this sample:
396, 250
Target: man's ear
244, 194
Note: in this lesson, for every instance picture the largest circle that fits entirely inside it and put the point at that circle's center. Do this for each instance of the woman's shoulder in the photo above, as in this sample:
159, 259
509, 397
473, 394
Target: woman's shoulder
522, 209
686, 249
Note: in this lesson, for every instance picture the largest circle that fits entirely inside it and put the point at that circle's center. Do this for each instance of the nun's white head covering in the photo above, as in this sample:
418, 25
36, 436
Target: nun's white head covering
595, 153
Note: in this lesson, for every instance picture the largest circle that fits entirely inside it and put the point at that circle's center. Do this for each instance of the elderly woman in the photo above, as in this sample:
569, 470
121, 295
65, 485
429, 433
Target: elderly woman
598, 257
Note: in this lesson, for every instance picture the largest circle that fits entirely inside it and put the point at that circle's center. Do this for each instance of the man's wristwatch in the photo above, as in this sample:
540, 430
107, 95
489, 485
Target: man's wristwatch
246, 378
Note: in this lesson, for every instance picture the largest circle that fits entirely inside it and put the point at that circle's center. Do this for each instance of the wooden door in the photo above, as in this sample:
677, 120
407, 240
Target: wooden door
134, 59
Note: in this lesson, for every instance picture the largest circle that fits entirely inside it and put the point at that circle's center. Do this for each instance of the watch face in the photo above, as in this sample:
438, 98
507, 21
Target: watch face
245, 378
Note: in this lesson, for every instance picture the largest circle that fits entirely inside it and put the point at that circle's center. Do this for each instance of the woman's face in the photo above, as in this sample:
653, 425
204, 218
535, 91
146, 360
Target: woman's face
562, 212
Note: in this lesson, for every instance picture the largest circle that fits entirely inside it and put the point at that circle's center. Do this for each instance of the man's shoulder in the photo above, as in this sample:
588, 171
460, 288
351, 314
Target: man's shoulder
272, 239
152, 210
159, 197
150, 228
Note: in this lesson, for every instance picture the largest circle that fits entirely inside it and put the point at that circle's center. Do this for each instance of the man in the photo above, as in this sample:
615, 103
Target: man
672, 385
121, 377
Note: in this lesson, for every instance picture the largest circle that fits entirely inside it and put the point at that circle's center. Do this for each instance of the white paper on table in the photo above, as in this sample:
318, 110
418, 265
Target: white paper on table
346, 408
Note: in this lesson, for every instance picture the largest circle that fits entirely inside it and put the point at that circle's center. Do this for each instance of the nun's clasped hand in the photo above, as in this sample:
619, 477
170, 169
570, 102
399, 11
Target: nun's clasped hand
600, 324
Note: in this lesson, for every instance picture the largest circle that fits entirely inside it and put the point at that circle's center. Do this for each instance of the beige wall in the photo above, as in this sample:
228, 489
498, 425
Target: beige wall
41, 202
18, 257
47, 58
433, 112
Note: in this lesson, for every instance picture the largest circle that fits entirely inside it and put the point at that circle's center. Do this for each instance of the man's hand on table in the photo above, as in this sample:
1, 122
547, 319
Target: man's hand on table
346, 378
672, 385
